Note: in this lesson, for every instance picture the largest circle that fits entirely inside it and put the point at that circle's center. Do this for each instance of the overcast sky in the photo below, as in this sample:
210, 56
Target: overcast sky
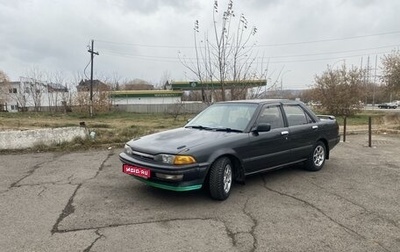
142, 38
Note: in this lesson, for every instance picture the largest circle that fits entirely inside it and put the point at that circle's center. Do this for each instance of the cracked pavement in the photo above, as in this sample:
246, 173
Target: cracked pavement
83, 202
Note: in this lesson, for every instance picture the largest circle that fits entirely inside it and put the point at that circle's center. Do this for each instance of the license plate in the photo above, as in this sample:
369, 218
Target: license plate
136, 171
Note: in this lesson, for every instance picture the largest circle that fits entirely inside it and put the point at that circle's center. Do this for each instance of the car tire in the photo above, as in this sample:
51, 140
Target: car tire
221, 178
317, 158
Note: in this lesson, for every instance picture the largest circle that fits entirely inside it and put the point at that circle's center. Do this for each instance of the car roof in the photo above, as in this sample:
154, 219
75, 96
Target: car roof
262, 101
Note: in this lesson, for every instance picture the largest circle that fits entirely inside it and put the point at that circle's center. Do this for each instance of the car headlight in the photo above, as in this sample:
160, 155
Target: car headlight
175, 159
127, 149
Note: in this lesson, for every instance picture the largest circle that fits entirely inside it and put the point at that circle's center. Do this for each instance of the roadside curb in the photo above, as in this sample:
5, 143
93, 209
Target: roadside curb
17, 140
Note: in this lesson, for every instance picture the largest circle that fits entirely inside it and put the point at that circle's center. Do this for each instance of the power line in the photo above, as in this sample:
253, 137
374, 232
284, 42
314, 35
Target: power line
330, 40
142, 45
335, 52
324, 59
265, 45
175, 59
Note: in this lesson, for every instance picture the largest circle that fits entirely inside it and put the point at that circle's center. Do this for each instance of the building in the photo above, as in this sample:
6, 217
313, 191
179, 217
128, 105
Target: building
215, 85
84, 86
28, 94
208, 90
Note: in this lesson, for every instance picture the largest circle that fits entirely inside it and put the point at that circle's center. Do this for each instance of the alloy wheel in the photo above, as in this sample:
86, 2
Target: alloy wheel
227, 178
319, 155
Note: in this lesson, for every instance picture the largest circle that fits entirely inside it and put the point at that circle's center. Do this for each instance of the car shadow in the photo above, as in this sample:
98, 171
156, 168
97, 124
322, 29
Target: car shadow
277, 174
202, 195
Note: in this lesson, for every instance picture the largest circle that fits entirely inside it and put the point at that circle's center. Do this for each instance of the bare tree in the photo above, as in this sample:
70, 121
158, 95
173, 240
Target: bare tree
226, 54
4, 90
164, 80
340, 91
101, 94
137, 84
57, 91
116, 81
391, 72
34, 86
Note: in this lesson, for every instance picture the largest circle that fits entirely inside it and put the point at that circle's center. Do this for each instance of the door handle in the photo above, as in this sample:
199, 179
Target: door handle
314, 127
284, 133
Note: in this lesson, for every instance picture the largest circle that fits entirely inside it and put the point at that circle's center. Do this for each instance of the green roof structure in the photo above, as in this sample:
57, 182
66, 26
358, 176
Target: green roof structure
197, 85
145, 93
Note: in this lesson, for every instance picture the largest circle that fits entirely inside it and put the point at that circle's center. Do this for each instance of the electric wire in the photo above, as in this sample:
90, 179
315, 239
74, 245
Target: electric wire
191, 59
123, 50
265, 45
84, 70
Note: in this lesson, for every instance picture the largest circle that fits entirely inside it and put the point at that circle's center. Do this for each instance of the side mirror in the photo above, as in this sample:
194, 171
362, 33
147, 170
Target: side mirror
262, 127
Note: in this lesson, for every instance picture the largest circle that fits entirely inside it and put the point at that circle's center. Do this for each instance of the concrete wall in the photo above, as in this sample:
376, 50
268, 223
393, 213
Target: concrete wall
16, 140
146, 100
178, 108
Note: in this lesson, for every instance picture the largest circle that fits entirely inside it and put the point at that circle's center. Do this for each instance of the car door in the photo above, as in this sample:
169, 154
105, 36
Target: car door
267, 149
303, 131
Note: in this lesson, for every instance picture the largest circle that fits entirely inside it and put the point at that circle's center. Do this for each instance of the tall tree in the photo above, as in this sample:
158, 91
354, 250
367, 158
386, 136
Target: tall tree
34, 86
226, 52
340, 91
57, 91
391, 71
4, 89
164, 80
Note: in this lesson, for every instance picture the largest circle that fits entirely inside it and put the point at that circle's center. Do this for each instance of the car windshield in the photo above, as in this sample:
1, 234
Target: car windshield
224, 116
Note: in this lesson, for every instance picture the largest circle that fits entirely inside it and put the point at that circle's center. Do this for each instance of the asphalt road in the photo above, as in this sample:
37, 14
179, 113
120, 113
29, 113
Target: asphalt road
83, 202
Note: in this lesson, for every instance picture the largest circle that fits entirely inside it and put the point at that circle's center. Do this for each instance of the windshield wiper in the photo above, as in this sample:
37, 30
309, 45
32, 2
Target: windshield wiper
199, 127
212, 128
228, 130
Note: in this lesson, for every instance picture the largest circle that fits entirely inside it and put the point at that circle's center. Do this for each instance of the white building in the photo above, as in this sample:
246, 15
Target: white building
29, 94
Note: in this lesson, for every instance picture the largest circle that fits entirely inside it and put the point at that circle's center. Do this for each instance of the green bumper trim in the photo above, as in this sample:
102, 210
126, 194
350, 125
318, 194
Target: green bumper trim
168, 187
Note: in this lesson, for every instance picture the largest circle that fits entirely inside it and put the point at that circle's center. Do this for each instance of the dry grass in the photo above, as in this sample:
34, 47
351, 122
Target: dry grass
381, 123
115, 120
112, 129
116, 128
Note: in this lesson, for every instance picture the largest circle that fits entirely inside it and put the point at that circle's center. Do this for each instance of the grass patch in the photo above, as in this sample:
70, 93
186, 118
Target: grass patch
110, 120
99, 125
111, 129
362, 118
116, 128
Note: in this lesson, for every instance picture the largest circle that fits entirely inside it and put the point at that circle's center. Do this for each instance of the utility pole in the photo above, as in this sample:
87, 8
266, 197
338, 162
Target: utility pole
92, 53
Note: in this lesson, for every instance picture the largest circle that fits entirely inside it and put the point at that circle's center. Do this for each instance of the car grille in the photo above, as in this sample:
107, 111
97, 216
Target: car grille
142, 156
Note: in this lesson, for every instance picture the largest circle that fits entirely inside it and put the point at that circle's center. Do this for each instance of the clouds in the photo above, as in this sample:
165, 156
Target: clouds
141, 39
146, 7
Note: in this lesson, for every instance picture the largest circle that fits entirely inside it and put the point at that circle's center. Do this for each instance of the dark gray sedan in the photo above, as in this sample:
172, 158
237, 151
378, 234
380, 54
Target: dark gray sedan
387, 105
228, 141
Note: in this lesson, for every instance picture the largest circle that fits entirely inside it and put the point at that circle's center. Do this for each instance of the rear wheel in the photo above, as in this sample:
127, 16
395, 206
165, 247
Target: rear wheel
317, 158
221, 178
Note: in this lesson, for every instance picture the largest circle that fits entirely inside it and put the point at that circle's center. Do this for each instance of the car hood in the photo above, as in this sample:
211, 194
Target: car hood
179, 140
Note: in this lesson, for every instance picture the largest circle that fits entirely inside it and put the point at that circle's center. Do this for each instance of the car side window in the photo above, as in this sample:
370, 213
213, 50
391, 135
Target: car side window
296, 115
271, 115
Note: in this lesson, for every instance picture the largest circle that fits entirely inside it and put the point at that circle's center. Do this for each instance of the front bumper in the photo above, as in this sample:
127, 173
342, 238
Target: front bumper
192, 179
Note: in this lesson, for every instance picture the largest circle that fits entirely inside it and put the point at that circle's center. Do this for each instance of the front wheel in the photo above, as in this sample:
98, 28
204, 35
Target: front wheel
221, 178
317, 158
